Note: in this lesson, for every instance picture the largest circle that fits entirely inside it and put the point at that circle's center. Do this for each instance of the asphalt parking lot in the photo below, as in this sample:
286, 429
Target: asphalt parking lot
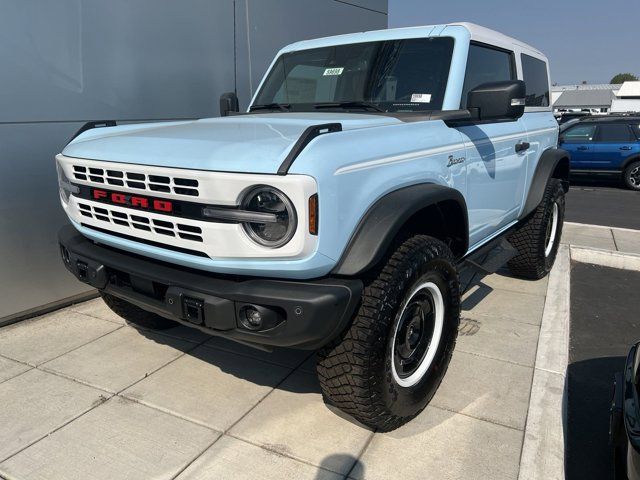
604, 325
600, 202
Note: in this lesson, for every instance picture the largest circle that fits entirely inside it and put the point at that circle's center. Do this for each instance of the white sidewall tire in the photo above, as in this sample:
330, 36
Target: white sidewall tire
434, 344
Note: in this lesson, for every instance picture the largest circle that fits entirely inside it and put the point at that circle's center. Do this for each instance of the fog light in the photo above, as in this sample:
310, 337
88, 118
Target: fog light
251, 318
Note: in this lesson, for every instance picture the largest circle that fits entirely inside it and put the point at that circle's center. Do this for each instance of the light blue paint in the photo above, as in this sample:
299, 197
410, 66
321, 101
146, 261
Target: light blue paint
372, 156
246, 143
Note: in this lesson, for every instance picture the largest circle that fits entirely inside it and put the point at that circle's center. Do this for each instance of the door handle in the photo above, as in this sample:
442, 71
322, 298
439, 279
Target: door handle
522, 146
626, 147
582, 148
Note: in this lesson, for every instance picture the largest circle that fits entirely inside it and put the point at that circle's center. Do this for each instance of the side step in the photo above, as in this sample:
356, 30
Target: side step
485, 261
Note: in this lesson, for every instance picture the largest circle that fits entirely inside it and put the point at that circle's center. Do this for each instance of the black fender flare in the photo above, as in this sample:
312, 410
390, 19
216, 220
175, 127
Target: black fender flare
383, 220
553, 162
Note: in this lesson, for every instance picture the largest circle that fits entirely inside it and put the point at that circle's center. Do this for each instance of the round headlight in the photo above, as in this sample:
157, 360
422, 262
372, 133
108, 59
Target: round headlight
278, 231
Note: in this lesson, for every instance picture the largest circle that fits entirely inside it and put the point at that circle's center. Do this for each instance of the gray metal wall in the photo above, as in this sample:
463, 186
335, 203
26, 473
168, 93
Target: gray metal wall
70, 61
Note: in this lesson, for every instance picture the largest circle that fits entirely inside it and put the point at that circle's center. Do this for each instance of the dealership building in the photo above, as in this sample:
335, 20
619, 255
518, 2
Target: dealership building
605, 98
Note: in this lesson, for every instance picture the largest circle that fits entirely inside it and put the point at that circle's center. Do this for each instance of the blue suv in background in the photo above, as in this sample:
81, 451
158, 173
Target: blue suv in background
605, 145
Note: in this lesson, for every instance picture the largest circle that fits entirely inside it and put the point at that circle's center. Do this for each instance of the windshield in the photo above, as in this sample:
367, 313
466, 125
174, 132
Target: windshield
390, 76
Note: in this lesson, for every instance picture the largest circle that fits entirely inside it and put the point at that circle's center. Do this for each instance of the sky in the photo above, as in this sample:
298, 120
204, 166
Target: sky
585, 40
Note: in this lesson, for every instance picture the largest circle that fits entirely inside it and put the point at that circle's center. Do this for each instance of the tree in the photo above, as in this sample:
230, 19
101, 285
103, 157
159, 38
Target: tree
623, 77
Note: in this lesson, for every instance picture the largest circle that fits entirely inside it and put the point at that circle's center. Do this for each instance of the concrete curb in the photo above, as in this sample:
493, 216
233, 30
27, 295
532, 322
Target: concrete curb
543, 449
606, 258
590, 225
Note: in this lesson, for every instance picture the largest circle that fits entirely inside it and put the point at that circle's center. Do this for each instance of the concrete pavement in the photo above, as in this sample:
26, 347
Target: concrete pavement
85, 396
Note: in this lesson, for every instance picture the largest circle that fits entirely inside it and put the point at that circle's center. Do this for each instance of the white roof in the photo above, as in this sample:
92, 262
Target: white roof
478, 33
629, 89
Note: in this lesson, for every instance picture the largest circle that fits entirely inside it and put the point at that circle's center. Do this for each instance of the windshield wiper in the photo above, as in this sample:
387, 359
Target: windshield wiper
347, 105
283, 107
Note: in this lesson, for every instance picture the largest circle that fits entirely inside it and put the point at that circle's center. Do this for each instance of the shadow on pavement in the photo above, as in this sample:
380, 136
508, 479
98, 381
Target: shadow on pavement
331, 461
590, 388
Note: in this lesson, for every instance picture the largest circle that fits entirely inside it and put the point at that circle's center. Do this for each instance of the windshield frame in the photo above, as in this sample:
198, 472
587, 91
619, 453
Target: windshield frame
311, 107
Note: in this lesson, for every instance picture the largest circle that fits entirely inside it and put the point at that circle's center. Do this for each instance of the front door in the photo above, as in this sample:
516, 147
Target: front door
496, 175
578, 141
614, 143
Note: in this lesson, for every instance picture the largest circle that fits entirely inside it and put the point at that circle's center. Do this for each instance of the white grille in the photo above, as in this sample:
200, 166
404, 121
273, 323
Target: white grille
141, 181
138, 221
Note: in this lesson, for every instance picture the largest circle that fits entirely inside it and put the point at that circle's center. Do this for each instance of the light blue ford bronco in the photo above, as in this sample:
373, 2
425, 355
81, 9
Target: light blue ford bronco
373, 175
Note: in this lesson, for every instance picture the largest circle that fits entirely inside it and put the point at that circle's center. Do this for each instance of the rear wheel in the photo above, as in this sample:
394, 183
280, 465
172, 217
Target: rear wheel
538, 238
631, 176
135, 316
387, 366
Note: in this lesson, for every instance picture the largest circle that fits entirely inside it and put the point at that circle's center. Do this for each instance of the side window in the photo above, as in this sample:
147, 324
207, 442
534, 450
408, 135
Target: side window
534, 72
486, 64
579, 134
636, 130
614, 133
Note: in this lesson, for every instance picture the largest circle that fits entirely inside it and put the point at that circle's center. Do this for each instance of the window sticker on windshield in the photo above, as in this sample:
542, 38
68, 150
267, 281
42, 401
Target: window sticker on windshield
333, 71
421, 98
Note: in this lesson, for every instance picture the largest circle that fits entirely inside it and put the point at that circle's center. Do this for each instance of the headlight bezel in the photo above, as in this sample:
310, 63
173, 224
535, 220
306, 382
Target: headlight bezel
290, 209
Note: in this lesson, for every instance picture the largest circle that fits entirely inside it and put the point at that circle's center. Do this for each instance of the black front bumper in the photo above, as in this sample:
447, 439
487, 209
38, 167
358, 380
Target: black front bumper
301, 314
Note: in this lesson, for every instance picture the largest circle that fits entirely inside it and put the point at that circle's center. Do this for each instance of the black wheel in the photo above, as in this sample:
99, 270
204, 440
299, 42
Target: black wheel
631, 176
388, 364
538, 238
135, 316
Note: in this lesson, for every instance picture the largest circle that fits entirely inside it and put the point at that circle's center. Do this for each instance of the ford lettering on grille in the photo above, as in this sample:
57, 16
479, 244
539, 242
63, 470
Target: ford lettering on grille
135, 201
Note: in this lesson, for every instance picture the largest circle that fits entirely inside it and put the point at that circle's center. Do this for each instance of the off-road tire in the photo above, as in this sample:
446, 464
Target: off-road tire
629, 182
135, 316
355, 370
530, 239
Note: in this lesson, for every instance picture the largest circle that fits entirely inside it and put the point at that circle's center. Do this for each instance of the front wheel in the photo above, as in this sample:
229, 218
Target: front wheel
387, 366
631, 176
538, 238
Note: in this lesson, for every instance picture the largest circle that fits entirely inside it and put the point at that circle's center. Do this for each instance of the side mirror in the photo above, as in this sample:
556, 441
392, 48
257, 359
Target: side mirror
228, 103
497, 100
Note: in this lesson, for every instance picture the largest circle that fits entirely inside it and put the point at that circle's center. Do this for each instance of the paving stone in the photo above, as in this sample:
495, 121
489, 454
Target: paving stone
36, 403
97, 308
442, 445
186, 333
503, 280
499, 338
309, 365
119, 359
209, 386
295, 421
520, 307
588, 237
626, 241
588, 230
40, 339
287, 357
487, 389
10, 369
120, 439
230, 458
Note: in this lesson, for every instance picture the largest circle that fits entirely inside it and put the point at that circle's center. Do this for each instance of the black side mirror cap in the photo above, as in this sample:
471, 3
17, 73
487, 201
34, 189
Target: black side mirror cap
497, 100
228, 103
